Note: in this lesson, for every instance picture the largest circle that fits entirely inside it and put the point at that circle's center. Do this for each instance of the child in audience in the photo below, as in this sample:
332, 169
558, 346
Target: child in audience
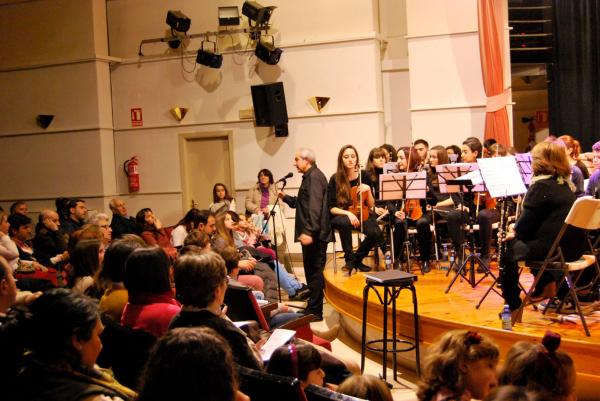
541, 368
515, 393
222, 200
367, 387
460, 366
301, 361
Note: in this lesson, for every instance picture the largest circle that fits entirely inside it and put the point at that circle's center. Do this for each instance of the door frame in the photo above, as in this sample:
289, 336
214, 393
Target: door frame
184, 138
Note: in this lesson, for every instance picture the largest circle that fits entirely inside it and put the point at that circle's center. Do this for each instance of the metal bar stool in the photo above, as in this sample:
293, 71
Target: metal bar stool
392, 282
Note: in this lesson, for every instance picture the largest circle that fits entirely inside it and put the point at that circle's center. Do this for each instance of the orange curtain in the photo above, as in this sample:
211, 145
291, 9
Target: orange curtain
491, 48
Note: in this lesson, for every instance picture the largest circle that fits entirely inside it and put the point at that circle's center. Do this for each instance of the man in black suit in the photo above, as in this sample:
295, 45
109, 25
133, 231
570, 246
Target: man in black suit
312, 228
121, 223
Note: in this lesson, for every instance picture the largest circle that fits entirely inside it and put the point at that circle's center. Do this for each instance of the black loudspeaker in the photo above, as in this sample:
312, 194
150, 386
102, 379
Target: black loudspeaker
269, 105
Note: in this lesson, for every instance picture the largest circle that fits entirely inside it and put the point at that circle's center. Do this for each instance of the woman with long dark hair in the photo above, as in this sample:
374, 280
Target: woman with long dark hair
153, 233
61, 330
344, 205
222, 199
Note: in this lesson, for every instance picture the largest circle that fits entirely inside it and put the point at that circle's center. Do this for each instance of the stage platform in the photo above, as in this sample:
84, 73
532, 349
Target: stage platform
440, 312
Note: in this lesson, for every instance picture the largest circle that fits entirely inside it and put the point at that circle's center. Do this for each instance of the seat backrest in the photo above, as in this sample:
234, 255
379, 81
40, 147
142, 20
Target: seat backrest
318, 393
242, 305
124, 350
263, 386
585, 213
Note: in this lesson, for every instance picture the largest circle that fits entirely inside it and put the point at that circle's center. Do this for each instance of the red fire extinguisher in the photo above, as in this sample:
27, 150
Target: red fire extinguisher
131, 171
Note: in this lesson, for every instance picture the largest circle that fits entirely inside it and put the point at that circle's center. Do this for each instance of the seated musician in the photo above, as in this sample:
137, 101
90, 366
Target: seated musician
410, 213
545, 207
344, 204
486, 209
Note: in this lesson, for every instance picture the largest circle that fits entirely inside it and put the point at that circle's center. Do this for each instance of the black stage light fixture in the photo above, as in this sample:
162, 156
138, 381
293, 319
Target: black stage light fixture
208, 58
178, 21
257, 13
267, 52
229, 16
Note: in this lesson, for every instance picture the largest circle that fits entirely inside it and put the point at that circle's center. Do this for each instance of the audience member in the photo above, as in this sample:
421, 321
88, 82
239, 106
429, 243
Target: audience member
262, 194
62, 332
301, 361
49, 246
121, 222
190, 362
101, 220
151, 304
8, 249
366, 387
232, 259
8, 288
541, 368
111, 275
516, 393
19, 207
86, 258
201, 282
153, 232
21, 232
222, 199
77, 214
197, 238
62, 208
460, 365
190, 222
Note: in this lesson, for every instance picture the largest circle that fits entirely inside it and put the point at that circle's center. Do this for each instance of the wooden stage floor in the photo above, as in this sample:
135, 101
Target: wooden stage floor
440, 312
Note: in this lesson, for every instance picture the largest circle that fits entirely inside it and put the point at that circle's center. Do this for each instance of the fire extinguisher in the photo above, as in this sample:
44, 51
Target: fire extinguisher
131, 171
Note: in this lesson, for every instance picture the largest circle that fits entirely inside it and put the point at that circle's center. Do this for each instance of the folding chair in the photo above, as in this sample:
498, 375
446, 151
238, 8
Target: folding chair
585, 215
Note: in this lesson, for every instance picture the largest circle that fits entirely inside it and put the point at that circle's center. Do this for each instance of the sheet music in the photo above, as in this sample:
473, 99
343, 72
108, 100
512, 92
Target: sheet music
502, 176
278, 338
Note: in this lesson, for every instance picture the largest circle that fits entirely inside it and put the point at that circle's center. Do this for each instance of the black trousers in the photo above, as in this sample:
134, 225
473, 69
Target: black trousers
373, 236
314, 258
423, 236
486, 218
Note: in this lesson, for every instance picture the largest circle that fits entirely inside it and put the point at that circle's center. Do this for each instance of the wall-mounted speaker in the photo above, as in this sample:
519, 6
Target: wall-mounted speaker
269, 105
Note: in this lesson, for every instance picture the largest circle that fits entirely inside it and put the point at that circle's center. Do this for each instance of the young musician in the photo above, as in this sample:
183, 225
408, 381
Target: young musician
411, 212
344, 204
486, 216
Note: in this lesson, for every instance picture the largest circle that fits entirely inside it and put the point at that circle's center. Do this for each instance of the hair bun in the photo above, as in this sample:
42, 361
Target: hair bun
551, 341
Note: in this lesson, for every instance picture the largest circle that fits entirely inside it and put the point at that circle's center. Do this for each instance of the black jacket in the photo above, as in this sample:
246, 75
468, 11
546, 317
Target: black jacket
236, 339
47, 244
312, 212
121, 225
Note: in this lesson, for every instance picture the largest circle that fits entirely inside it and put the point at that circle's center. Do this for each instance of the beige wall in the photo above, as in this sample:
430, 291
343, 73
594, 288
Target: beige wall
447, 95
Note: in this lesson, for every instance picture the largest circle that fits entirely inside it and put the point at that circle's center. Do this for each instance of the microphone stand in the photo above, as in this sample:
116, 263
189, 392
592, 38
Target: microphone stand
272, 216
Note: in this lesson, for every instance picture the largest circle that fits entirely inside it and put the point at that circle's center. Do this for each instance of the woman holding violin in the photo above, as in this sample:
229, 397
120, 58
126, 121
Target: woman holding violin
351, 202
410, 212
487, 214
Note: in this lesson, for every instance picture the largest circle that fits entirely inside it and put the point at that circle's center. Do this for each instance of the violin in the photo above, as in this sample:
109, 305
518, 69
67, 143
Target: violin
412, 209
484, 199
360, 203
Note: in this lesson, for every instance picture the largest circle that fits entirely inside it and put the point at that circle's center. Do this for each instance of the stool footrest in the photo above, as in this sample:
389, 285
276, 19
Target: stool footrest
411, 345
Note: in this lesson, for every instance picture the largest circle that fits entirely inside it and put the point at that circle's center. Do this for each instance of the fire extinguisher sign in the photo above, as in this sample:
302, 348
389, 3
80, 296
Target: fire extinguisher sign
136, 117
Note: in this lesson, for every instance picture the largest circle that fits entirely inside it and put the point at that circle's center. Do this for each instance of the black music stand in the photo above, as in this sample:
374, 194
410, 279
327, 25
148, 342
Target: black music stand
524, 165
464, 177
402, 187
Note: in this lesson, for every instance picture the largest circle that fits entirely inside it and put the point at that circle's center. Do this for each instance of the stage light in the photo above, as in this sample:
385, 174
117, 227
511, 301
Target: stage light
257, 13
229, 16
267, 52
207, 58
178, 21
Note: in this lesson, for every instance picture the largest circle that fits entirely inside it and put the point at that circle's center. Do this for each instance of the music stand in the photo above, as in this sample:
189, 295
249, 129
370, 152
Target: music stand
401, 187
504, 177
524, 165
460, 178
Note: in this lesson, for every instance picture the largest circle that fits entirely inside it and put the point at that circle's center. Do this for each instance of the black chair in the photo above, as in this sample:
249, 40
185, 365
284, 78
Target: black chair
124, 350
263, 386
318, 393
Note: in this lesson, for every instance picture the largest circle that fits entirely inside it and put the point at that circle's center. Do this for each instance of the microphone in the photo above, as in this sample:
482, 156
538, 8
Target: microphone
288, 175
